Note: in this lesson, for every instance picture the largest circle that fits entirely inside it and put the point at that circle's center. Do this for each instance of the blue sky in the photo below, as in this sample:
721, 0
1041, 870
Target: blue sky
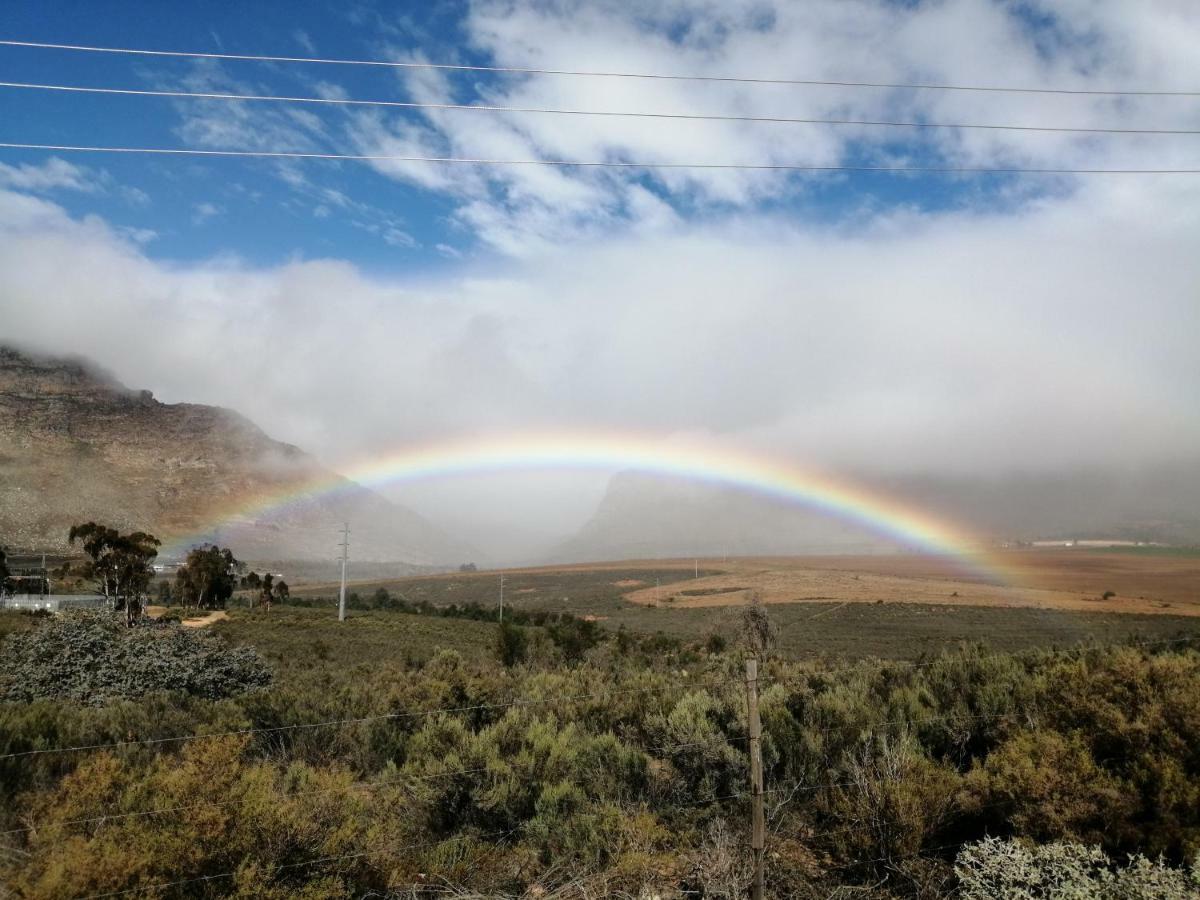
873, 323
199, 208
259, 218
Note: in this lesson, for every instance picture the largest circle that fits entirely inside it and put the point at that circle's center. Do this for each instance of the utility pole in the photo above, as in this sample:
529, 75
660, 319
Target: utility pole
501, 596
757, 822
696, 565
345, 545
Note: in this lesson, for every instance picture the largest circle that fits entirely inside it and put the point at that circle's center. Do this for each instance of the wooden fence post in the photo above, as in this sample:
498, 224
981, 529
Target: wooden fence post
757, 823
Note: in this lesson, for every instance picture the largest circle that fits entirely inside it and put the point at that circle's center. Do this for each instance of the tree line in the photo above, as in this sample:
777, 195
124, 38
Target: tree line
120, 567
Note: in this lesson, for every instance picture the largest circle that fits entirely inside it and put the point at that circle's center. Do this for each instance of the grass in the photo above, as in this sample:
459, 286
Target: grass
580, 592
911, 630
1181, 552
291, 636
846, 630
12, 621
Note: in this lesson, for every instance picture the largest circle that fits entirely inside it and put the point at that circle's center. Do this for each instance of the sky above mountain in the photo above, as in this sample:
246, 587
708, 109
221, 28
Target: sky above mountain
883, 321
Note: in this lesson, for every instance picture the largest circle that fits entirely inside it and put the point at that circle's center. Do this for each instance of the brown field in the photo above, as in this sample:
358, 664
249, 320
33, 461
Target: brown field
901, 607
1053, 579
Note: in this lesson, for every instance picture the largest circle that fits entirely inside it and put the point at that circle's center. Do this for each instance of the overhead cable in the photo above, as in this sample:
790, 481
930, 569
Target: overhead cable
602, 164
526, 70
481, 107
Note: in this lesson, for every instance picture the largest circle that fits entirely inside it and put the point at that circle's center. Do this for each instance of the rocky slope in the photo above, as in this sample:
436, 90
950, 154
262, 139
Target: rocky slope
77, 445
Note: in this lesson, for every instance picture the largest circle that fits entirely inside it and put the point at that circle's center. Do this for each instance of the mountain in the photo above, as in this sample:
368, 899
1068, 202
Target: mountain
644, 516
76, 445
1159, 502
648, 516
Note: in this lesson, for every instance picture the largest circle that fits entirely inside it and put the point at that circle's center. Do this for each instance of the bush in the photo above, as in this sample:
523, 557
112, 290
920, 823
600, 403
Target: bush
996, 868
92, 658
574, 637
512, 644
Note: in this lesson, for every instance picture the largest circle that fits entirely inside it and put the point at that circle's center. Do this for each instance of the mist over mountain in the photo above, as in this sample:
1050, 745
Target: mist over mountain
649, 516
76, 445
1151, 502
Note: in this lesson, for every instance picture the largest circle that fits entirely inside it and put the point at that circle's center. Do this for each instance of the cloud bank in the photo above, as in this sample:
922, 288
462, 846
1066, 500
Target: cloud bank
1035, 324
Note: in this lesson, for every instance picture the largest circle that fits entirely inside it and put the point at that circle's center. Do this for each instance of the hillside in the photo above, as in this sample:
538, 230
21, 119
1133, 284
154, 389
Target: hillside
648, 516
75, 445
644, 516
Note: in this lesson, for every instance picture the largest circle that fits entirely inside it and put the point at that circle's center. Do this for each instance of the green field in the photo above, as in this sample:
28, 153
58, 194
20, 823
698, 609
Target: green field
1183, 552
850, 630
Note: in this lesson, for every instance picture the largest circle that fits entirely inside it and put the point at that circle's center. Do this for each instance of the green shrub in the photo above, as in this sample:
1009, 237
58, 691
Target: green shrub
512, 644
995, 868
93, 658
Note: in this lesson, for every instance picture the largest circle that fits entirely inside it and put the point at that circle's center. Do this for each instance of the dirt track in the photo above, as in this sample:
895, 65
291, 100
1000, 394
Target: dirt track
155, 612
202, 621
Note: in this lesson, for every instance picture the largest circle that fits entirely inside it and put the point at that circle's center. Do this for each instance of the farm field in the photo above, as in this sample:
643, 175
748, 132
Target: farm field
1067, 580
853, 607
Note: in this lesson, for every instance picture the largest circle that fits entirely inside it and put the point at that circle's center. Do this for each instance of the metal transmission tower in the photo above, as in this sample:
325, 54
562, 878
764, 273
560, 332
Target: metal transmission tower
345, 545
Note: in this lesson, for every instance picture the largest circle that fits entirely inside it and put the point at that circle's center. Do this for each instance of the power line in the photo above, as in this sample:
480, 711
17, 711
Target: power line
392, 851
479, 107
338, 723
321, 860
524, 70
719, 741
596, 164
359, 854
219, 804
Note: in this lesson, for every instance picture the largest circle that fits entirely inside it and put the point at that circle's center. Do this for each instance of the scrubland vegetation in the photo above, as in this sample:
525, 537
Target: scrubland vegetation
403, 753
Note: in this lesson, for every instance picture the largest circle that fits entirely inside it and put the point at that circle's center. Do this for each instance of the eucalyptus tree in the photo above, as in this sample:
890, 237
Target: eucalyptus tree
208, 577
120, 564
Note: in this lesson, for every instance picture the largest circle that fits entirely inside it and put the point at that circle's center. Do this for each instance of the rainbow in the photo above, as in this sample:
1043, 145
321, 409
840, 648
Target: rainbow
705, 462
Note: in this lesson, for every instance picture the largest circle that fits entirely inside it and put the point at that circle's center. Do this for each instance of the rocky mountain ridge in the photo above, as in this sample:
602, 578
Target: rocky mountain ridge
75, 445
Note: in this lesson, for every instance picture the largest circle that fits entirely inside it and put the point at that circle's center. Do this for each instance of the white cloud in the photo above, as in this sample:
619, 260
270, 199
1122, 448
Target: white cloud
523, 209
1053, 325
205, 211
54, 174
301, 37
1058, 335
397, 237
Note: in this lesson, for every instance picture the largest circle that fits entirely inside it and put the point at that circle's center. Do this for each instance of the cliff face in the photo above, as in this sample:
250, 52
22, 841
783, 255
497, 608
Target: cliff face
75, 445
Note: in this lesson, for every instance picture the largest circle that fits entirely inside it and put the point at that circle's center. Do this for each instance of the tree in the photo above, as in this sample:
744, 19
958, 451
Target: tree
207, 579
4, 572
512, 644
268, 590
119, 563
98, 543
282, 592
